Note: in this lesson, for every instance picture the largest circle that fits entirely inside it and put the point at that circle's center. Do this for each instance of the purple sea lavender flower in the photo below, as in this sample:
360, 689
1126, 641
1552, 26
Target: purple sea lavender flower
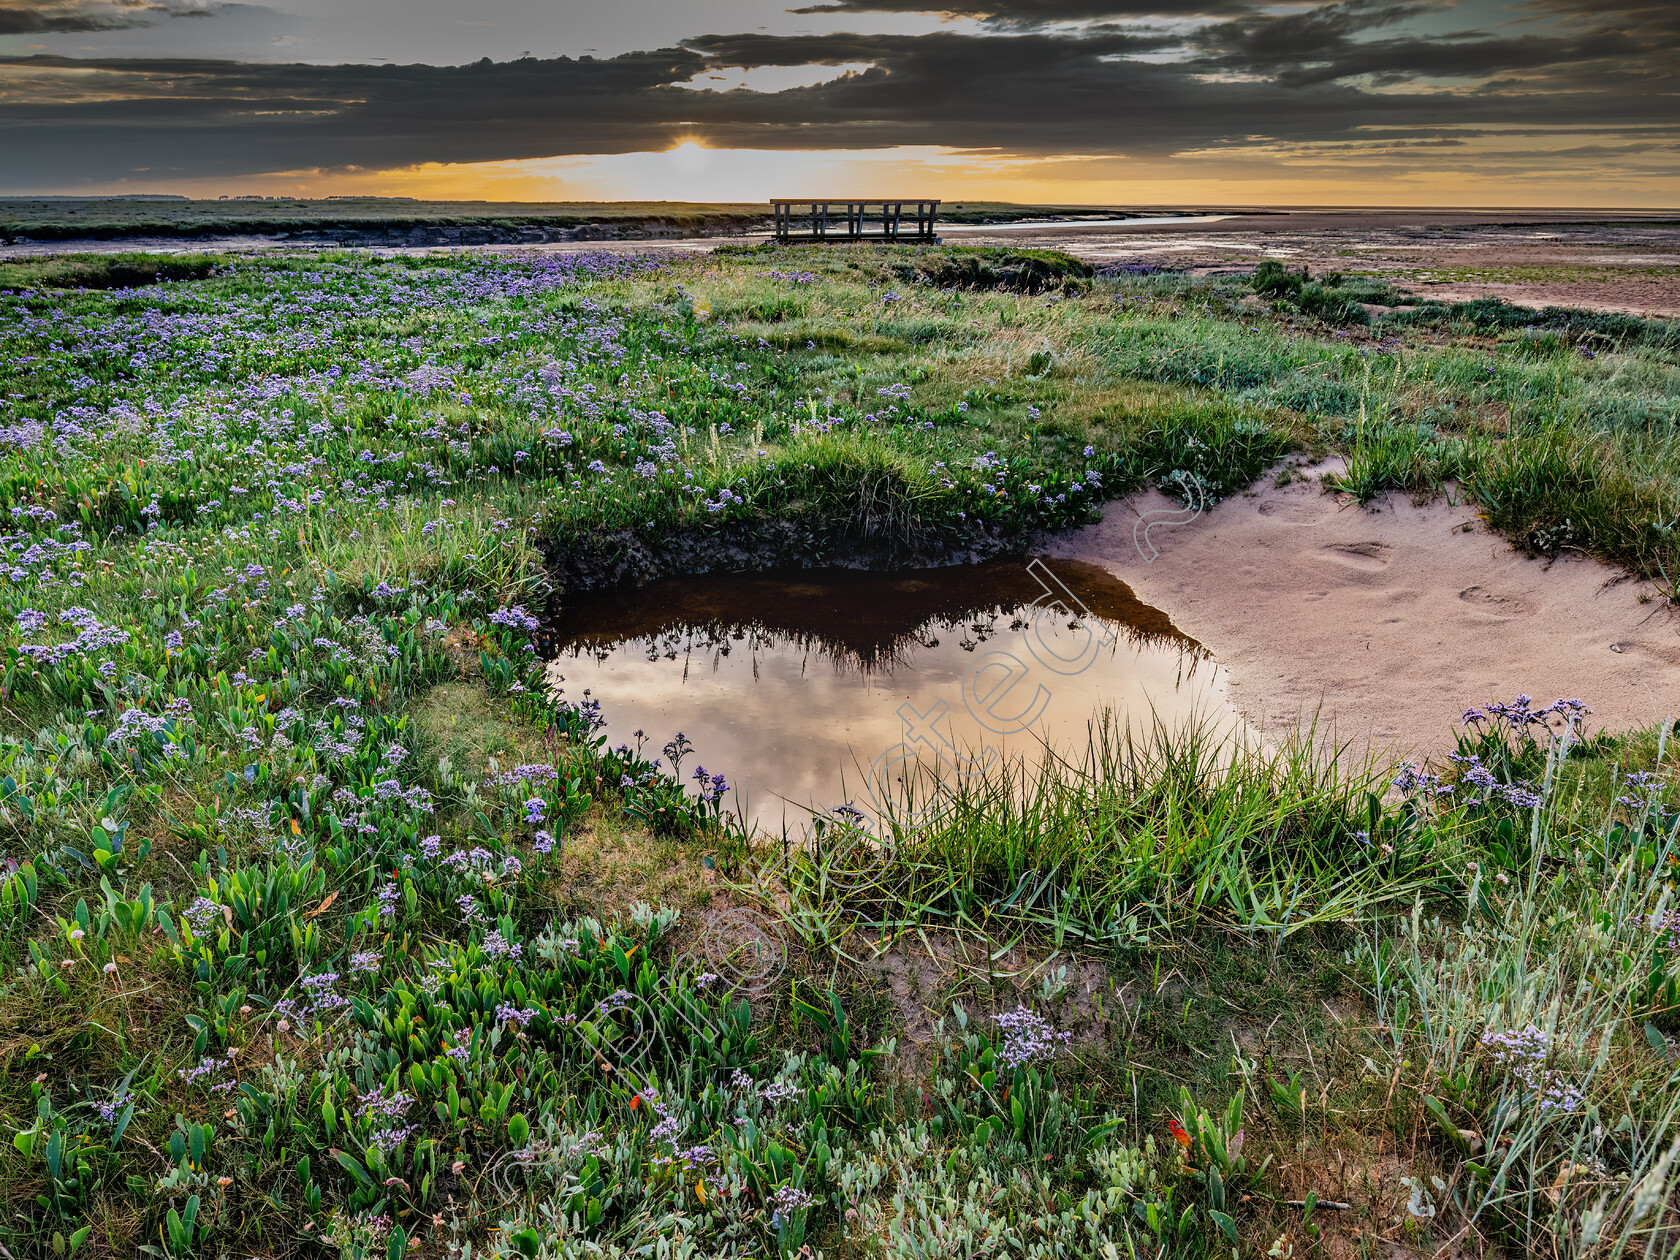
1027, 1037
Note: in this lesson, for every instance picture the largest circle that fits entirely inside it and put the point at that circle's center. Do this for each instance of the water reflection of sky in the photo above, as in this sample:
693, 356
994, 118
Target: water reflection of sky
792, 684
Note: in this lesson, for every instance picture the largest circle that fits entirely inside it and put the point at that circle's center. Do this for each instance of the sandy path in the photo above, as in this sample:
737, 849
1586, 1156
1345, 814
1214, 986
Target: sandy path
1393, 618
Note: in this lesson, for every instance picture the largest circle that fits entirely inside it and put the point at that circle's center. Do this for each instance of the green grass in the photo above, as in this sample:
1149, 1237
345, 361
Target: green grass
1173, 822
104, 271
270, 713
68, 219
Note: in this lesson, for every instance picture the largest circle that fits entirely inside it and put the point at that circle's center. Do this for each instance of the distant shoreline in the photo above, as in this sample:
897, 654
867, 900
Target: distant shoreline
404, 222
37, 224
34, 227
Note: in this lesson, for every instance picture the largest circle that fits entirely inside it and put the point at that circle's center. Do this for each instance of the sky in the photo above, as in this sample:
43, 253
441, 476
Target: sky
1189, 103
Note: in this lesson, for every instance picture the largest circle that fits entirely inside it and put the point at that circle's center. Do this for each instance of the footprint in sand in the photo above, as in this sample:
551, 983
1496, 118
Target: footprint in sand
1366, 557
1492, 604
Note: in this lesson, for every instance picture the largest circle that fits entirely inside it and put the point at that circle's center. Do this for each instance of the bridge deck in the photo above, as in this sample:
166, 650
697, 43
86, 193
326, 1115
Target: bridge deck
816, 220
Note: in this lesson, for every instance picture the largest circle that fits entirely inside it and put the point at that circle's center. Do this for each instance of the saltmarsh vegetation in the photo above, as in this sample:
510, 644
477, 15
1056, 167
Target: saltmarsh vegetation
329, 931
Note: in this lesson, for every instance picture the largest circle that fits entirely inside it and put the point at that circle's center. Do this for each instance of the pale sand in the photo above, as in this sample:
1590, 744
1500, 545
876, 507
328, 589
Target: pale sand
1389, 621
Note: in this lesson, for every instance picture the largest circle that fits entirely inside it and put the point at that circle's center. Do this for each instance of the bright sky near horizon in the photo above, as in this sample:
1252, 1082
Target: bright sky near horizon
1144, 102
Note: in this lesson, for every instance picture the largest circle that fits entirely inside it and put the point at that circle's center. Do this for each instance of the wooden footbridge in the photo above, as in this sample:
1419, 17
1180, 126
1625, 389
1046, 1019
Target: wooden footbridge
806, 221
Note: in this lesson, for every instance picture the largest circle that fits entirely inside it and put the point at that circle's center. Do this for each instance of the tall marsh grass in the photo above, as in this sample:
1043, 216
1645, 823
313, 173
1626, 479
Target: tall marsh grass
1155, 831
1533, 1022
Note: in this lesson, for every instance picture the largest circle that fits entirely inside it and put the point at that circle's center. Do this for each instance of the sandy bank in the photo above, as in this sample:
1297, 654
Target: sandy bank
1394, 618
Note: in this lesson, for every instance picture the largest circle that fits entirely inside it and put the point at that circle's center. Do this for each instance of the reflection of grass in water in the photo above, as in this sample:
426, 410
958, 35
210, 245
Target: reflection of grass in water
849, 656
752, 638
864, 623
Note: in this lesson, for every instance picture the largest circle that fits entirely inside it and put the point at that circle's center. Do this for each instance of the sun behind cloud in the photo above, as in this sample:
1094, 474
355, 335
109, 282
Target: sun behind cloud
689, 158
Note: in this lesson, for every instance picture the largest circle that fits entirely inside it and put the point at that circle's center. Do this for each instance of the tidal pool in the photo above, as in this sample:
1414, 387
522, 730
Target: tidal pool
815, 689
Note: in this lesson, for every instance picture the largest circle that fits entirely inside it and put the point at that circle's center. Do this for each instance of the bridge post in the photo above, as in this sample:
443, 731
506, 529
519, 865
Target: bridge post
854, 225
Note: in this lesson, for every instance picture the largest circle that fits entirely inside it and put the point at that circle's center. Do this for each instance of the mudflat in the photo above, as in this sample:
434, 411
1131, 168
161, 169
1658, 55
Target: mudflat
1596, 260
1609, 260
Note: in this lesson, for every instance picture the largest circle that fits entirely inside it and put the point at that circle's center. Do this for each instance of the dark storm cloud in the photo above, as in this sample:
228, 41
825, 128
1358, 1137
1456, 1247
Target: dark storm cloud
927, 55
1646, 16
1300, 79
39, 20
1029, 94
54, 17
1027, 13
1340, 41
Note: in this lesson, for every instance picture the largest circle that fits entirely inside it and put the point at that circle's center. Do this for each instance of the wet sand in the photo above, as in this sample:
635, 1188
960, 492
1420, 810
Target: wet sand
1387, 622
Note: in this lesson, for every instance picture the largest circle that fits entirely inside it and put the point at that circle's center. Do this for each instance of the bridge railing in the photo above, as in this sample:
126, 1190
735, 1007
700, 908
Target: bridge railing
816, 220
